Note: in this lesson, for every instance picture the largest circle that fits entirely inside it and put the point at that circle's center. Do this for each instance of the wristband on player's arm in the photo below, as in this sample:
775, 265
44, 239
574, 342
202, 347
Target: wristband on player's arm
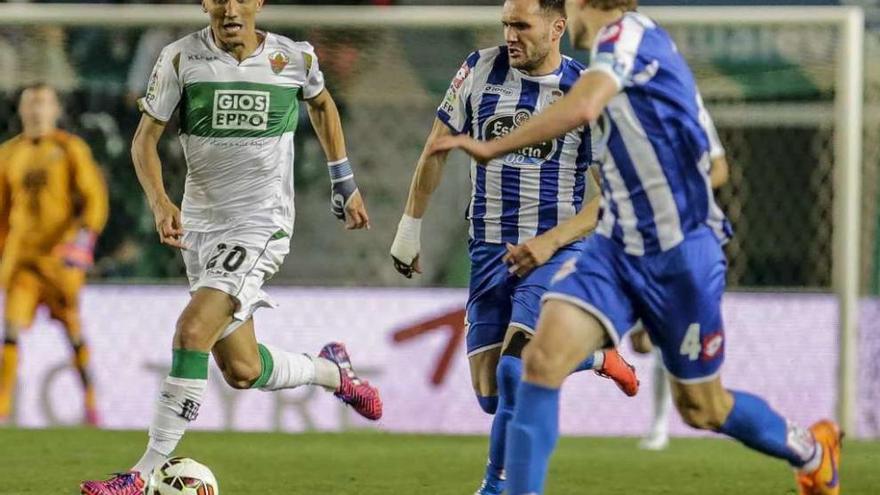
342, 186
406, 245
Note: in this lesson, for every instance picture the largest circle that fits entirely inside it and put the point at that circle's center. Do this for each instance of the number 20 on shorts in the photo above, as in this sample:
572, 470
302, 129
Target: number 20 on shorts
235, 256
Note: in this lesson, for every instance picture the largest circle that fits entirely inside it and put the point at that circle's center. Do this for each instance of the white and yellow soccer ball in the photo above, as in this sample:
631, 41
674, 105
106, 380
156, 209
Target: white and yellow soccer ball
182, 476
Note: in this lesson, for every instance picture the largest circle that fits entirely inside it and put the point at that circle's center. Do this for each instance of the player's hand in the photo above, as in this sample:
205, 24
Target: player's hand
482, 151
407, 269
79, 252
355, 213
169, 226
529, 255
346, 202
406, 246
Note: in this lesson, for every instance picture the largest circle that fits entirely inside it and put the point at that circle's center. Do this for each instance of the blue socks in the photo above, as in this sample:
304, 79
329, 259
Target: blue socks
755, 424
531, 437
509, 377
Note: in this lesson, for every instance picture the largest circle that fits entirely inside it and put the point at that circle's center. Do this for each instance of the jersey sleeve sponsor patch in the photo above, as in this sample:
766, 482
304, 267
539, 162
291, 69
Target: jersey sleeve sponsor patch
314, 82
610, 34
164, 88
453, 108
616, 50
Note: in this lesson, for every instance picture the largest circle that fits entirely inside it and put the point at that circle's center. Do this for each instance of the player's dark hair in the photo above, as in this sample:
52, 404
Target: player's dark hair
35, 86
555, 6
614, 4
38, 85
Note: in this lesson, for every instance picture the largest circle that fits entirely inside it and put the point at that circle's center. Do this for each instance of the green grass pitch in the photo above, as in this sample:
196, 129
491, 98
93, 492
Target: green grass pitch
367, 463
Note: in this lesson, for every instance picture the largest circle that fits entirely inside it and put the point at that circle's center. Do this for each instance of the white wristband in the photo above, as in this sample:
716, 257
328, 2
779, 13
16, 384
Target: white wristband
406, 244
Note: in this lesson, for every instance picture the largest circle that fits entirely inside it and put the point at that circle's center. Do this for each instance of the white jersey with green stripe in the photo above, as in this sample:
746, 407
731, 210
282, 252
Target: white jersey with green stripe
237, 121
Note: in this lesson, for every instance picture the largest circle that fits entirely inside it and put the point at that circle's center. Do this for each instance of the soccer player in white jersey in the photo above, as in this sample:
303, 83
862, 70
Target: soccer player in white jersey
656, 255
238, 91
529, 210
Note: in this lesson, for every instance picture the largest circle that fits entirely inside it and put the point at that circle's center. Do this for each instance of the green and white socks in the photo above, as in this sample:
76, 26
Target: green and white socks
180, 398
282, 370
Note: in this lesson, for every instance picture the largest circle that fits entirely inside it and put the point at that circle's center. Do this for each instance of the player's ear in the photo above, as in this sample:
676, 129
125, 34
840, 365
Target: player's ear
559, 28
57, 108
205, 6
260, 5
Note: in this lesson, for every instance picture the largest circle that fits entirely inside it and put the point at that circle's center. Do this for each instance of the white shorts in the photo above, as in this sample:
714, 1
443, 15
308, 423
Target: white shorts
236, 261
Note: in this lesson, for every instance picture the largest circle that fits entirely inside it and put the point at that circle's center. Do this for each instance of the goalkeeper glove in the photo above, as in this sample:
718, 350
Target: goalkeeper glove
406, 246
79, 251
342, 186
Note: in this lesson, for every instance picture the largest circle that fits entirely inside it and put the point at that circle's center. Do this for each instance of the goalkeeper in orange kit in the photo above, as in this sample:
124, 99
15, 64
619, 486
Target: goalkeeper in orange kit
53, 204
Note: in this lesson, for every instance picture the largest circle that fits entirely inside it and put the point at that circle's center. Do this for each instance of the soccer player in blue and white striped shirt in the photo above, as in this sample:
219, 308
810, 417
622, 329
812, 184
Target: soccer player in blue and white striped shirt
527, 213
656, 256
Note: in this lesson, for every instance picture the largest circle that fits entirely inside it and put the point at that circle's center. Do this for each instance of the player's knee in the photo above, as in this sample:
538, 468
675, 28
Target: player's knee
240, 374
483, 366
543, 365
699, 414
192, 332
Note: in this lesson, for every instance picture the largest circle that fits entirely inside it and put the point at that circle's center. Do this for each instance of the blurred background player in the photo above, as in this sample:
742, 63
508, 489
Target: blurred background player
657, 254
657, 437
528, 212
238, 90
53, 204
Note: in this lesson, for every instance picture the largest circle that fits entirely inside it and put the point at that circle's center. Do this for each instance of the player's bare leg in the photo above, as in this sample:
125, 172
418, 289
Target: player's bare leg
483, 368
238, 357
814, 453
704, 406
198, 328
566, 335
8, 369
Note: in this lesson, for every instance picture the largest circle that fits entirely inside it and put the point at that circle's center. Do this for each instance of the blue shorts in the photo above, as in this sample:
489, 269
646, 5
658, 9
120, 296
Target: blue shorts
676, 293
499, 299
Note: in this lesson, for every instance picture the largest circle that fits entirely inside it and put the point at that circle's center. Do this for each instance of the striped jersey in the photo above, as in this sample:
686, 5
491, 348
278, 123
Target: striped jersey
660, 139
237, 121
529, 191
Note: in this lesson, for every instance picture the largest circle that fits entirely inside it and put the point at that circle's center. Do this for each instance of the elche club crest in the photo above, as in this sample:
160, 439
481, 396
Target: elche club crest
278, 60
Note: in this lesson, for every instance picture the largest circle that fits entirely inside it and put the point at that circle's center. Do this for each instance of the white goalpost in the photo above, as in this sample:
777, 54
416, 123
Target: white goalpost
844, 117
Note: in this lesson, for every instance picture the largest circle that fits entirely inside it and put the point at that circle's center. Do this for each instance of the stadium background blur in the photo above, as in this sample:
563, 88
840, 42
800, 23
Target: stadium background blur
770, 94
387, 94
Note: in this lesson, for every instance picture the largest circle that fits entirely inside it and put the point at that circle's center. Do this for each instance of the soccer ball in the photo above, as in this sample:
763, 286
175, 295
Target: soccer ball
182, 476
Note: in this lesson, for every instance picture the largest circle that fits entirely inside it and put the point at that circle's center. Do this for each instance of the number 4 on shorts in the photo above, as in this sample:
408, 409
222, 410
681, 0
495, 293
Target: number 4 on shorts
691, 346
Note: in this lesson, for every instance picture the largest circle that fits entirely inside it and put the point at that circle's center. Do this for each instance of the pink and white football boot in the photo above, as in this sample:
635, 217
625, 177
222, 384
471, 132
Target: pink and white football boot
357, 393
129, 483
